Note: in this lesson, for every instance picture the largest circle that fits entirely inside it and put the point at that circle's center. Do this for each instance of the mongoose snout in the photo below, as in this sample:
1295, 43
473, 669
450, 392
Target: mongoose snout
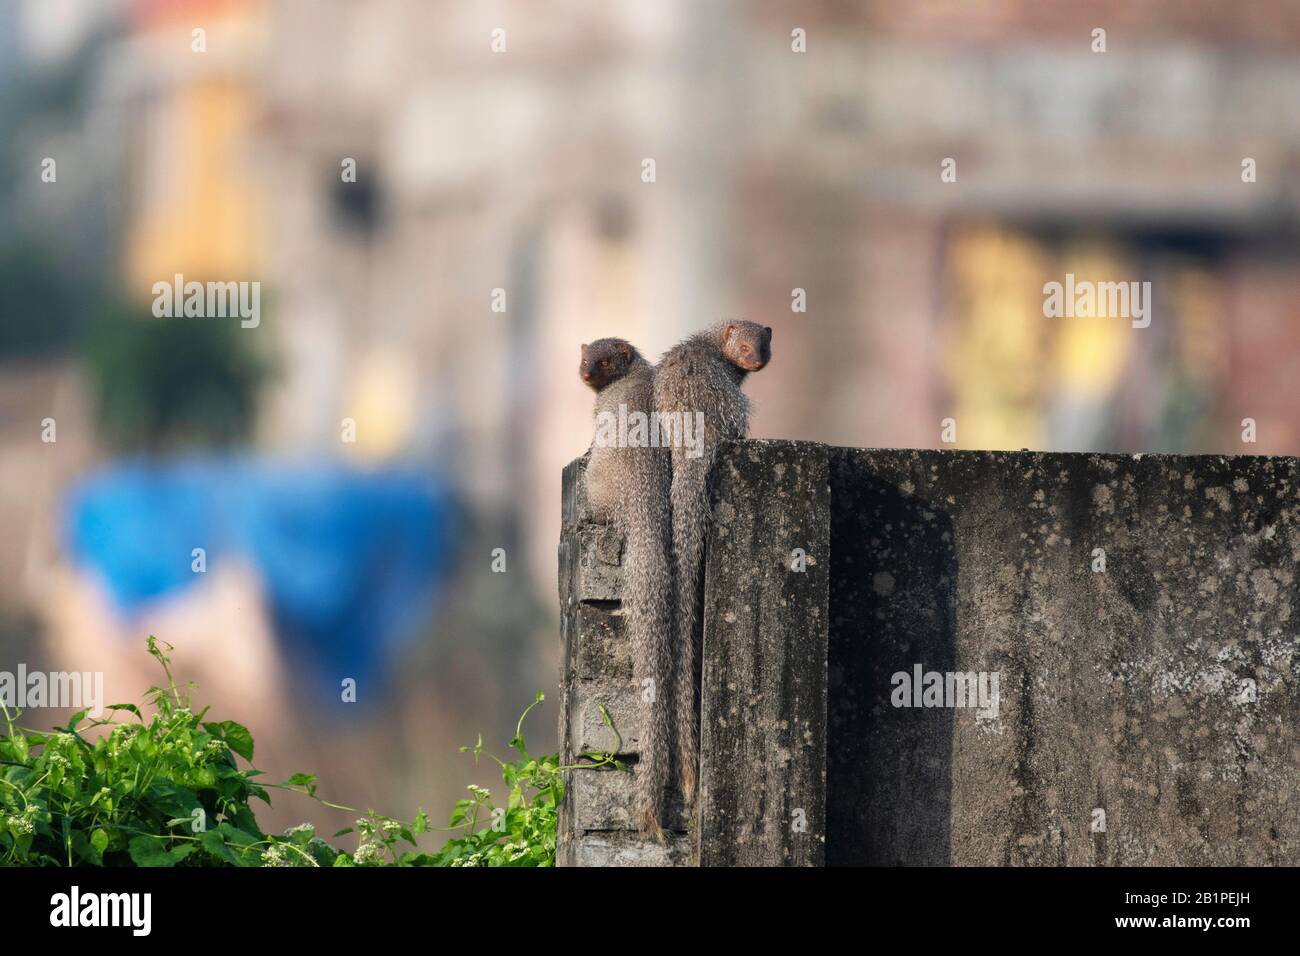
747, 345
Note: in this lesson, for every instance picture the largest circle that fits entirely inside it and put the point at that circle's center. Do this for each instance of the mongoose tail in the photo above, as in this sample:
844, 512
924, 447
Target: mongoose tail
628, 486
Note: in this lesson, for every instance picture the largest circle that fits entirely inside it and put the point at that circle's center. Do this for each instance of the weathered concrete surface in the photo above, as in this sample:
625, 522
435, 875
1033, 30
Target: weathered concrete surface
1148, 712
625, 849
763, 701
1126, 691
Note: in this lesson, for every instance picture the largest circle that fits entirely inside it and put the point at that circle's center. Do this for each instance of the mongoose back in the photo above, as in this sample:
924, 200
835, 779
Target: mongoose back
628, 486
701, 374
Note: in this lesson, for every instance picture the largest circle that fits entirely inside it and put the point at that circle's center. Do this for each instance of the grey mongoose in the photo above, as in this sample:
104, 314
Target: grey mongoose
627, 487
703, 373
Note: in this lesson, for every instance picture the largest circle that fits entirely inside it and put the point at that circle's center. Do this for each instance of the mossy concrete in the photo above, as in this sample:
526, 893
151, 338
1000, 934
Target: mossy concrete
1148, 707
1139, 613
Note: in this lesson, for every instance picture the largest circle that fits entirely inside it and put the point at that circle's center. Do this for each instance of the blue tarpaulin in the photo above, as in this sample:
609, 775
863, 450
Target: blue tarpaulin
349, 560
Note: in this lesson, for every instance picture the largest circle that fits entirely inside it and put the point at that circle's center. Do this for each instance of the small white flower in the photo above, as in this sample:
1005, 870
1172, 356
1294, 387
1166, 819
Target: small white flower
280, 855
368, 853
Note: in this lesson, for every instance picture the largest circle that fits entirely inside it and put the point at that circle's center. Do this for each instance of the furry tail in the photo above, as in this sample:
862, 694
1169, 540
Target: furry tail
690, 515
648, 604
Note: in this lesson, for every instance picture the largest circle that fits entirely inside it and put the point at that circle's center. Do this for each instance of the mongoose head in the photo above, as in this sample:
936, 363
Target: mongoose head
605, 361
747, 345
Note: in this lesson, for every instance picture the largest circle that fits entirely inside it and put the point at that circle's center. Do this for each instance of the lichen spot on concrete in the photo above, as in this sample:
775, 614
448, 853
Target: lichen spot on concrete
1240, 485
882, 582
1104, 499
1265, 585
1220, 497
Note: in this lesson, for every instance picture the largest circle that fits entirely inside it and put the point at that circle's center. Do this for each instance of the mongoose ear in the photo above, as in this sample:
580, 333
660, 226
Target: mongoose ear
627, 350
584, 348
767, 331
727, 333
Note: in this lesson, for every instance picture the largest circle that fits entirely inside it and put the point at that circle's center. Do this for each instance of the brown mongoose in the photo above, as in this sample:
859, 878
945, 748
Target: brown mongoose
701, 374
627, 486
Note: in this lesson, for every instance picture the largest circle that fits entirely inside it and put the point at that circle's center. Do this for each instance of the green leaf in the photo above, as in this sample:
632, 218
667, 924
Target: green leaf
214, 841
86, 851
181, 852
322, 853
306, 780
236, 736
99, 839
235, 835
244, 819
150, 851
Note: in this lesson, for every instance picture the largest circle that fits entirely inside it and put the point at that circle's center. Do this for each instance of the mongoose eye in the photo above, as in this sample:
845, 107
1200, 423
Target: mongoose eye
745, 350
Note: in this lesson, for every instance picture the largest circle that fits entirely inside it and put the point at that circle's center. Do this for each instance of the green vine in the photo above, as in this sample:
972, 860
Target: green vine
169, 791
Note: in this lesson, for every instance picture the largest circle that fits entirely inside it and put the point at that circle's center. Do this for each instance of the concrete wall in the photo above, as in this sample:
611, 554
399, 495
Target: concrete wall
595, 824
1147, 708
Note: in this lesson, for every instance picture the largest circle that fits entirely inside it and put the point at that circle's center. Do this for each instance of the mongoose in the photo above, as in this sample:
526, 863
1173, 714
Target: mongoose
701, 374
627, 486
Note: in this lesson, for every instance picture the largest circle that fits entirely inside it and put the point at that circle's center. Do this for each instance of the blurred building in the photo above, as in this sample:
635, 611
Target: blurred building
779, 170
444, 199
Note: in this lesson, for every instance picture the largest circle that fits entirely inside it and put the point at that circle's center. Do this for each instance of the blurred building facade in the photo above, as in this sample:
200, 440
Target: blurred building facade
501, 213
775, 171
